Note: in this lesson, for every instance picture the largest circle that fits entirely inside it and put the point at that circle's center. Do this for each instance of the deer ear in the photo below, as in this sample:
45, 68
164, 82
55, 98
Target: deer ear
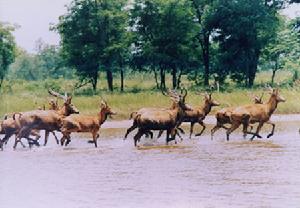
102, 104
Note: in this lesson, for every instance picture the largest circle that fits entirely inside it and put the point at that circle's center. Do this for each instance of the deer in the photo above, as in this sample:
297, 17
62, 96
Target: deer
198, 114
255, 113
162, 119
48, 120
84, 123
134, 115
223, 115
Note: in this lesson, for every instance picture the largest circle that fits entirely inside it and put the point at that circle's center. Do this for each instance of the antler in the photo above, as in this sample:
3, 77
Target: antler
56, 94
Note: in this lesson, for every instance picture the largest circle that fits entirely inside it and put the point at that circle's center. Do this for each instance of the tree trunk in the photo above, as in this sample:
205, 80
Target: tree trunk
156, 79
162, 78
94, 81
274, 72
253, 62
174, 77
122, 79
205, 51
109, 77
179, 78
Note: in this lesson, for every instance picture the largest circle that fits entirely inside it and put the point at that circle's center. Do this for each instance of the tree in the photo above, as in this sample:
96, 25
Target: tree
7, 49
91, 36
279, 51
203, 13
244, 28
163, 35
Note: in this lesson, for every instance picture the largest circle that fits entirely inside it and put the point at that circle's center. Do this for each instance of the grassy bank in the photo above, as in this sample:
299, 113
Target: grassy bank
139, 92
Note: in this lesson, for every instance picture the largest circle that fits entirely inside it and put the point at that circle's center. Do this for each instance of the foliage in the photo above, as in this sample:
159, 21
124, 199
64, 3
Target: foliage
7, 49
92, 34
279, 54
46, 63
163, 35
243, 29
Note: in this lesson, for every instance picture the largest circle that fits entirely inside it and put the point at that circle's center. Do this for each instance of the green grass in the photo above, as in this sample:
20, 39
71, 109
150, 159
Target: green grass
139, 92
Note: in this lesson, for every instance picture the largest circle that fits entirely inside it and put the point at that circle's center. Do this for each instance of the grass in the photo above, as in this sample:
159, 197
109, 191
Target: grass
140, 92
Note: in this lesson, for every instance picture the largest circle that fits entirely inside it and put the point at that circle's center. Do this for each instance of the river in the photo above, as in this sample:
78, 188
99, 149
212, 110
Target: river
194, 173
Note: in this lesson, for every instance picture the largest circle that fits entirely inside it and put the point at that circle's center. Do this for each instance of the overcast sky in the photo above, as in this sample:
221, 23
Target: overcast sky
35, 16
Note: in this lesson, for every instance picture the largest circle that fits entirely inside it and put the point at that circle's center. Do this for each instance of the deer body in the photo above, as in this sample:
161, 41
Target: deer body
48, 120
255, 113
162, 119
223, 116
83, 123
198, 114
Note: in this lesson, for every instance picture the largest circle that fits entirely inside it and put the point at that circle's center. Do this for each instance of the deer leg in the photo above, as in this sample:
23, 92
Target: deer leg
160, 133
68, 140
130, 129
138, 136
203, 128
22, 133
46, 137
231, 129
214, 129
95, 138
273, 128
257, 131
6, 137
63, 139
245, 127
56, 139
1, 145
192, 128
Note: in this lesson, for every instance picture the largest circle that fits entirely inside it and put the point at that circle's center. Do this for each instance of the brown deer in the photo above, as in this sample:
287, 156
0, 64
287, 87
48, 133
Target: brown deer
223, 115
134, 115
9, 126
166, 119
255, 113
48, 120
198, 114
83, 123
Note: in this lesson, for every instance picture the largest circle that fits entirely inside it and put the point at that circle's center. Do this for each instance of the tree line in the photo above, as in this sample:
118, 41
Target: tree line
204, 39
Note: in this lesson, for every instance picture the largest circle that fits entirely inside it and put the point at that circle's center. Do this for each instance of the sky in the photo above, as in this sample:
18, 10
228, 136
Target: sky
34, 18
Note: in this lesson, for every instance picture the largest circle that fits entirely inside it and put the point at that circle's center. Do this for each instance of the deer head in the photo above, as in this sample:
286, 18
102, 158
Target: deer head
68, 108
105, 109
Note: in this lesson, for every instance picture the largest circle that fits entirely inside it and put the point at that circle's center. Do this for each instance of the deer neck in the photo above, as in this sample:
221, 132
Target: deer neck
206, 108
63, 111
102, 116
272, 105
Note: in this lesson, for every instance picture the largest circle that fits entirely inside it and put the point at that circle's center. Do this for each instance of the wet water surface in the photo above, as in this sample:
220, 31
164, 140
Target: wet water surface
193, 173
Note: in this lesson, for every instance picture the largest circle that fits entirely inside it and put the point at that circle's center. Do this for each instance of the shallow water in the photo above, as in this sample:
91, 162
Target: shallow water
193, 173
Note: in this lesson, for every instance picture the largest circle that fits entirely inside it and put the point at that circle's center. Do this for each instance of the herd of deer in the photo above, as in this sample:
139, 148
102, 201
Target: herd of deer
66, 119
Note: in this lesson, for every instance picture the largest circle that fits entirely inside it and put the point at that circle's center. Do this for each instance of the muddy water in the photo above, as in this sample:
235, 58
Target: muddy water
194, 173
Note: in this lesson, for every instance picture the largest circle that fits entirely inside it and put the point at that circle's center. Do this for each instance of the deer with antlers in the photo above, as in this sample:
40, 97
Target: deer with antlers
162, 119
134, 116
48, 120
255, 113
223, 115
198, 114
83, 123
10, 127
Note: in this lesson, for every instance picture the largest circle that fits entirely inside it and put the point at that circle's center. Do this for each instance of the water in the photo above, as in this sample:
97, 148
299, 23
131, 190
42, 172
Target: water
193, 173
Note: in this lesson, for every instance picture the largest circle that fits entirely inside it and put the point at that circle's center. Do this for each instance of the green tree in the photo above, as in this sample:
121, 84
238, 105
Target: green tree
7, 49
204, 10
163, 35
243, 28
91, 37
279, 51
